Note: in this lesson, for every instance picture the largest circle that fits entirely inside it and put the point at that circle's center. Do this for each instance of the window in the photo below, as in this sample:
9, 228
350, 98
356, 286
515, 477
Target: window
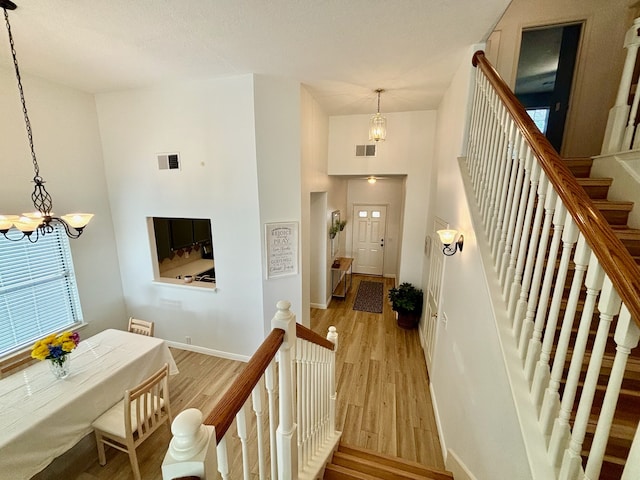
38, 292
540, 117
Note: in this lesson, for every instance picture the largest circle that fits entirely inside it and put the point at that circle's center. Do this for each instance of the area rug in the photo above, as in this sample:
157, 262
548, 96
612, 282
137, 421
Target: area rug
369, 297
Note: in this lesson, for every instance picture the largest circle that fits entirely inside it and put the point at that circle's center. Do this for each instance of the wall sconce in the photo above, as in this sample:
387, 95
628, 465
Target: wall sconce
448, 237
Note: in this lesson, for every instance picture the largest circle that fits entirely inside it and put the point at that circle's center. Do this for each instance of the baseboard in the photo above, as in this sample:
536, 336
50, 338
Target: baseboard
434, 404
321, 306
456, 466
208, 351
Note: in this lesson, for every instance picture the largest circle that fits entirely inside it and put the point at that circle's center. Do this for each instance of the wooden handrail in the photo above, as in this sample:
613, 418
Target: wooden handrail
614, 258
237, 394
311, 336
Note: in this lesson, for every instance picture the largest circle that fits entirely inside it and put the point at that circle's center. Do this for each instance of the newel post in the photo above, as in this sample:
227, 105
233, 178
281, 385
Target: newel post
192, 450
286, 432
619, 113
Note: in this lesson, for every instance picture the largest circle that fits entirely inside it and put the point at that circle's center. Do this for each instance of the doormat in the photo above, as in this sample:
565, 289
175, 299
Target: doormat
369, 297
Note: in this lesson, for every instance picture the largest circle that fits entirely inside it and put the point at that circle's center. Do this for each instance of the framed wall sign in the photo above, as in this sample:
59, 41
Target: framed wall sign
282, 249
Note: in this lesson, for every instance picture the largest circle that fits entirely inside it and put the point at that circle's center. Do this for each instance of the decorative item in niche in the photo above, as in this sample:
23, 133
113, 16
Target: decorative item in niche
281, 240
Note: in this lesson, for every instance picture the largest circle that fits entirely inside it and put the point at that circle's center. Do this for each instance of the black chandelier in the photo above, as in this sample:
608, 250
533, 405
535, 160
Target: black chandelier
42, 221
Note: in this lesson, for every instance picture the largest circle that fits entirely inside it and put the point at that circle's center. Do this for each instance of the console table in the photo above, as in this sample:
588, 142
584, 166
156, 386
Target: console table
342, 276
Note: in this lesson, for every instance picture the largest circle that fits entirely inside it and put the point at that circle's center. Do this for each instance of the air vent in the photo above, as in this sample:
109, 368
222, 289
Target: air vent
366, 150
168, 161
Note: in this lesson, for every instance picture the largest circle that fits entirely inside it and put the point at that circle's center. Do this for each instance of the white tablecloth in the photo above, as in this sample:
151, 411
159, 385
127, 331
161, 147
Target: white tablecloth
42, 417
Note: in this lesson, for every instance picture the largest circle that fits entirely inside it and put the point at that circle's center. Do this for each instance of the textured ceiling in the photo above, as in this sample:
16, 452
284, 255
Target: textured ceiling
341, 49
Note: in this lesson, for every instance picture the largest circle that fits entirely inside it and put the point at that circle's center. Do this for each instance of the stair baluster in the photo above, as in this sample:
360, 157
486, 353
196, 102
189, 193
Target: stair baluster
551, 403
528, 281
609, 306
543, 317
626, 338
510, 257
541, 377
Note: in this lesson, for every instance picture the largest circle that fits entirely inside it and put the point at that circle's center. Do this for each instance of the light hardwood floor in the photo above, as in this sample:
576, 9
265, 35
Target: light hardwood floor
383, 398
383, 388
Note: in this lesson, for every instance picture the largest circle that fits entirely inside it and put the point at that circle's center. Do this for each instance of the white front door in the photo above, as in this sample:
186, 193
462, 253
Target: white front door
369, 227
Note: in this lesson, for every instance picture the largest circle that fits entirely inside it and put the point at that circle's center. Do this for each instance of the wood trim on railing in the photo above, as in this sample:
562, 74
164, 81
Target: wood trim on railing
311, 336
237, 394
614, 258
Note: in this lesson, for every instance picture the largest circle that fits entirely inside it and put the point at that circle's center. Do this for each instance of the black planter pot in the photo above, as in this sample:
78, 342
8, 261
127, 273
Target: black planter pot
408, 320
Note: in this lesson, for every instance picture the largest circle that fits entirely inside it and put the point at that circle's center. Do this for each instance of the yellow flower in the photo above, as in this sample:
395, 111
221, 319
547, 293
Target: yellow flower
41, 352
68, 346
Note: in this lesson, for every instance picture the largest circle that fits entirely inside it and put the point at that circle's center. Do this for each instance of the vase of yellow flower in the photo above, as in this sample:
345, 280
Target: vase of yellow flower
56, 349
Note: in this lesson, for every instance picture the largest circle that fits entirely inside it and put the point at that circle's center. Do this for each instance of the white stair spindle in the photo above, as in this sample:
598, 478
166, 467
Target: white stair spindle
503, 167
506, 224
241, 424
542, 373
332, 336
561, 432
543, 315
223, 458
492, 170
632, 467
529, 269
609, 305
551, 402
257, 402
508, 266
270, 384
516, 284
626, 338
499, 232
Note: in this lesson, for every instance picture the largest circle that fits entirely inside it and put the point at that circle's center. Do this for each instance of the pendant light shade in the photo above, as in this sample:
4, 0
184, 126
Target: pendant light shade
378, 124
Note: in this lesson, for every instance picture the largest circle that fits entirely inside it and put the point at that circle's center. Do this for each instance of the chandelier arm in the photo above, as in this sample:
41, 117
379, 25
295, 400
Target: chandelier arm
36, 168
67, 228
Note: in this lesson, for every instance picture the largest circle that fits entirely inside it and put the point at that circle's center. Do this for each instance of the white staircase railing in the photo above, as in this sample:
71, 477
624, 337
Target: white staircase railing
566, 281
287, 428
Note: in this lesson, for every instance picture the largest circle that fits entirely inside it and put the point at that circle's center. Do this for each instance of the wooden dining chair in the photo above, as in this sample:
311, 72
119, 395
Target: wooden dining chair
141, 327
132, 420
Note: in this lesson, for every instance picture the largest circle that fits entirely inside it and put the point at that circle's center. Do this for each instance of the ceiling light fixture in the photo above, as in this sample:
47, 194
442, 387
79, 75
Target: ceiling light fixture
378, 123
42, 220
372, 180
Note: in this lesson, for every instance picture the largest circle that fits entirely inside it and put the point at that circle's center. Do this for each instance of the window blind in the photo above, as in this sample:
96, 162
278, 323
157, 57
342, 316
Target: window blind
38, 292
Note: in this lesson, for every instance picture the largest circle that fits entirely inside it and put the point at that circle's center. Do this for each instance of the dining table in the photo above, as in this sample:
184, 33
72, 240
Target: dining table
41, 417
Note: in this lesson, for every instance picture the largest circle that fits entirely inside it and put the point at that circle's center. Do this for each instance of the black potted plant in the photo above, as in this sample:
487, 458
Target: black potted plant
407, 301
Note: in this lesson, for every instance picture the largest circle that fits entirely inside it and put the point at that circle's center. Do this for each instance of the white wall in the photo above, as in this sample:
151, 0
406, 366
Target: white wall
408, 151
278, 151
211, 124
316, 260
67, 145
386, 191
469, 384
598, 72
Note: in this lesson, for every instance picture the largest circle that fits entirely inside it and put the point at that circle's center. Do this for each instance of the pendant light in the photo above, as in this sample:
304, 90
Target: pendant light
42, 220
378, 123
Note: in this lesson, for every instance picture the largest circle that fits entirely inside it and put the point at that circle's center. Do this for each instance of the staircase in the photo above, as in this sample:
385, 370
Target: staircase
627, 412
351, 463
